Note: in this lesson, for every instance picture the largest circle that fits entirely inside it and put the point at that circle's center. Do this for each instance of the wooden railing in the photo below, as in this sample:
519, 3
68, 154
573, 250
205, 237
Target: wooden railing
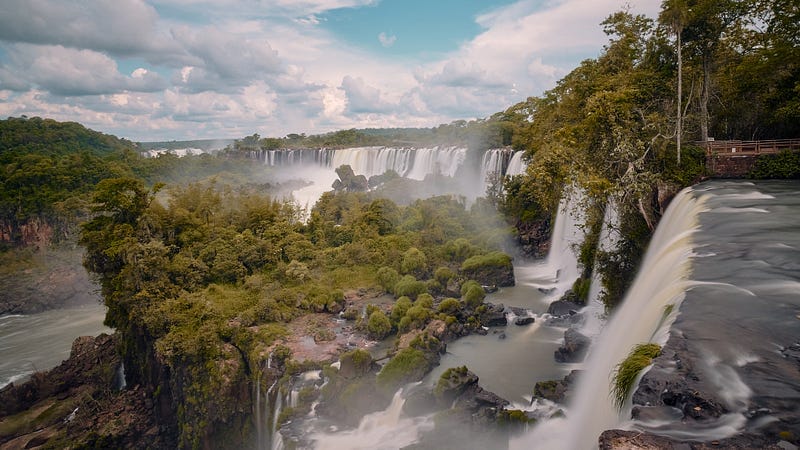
749, 148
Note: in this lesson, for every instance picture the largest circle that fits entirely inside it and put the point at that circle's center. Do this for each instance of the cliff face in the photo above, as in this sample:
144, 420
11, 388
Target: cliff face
534, 237
78, 403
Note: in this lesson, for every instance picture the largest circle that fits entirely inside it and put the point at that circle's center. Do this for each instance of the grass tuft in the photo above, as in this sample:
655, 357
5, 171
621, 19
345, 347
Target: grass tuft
640, 357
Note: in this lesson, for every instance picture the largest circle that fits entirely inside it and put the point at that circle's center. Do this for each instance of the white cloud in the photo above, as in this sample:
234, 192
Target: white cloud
386, 40
233, 67
71, 72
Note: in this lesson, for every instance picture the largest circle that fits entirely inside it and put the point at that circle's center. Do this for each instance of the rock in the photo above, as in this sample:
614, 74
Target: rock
563, 308
534, 237
501, 336
556, 390
574, 348
494, 316
546, 290
527, 320
639, 440
452, 383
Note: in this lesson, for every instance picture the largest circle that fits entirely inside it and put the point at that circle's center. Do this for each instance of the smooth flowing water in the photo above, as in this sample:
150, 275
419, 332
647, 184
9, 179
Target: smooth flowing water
37, 342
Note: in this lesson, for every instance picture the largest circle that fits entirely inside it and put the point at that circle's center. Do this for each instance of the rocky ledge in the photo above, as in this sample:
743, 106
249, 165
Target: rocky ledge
80, 404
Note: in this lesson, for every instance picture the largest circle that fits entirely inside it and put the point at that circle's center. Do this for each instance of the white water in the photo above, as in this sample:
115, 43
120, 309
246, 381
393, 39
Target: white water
382, 430
608, 240
639, 319
560, 269
517, 165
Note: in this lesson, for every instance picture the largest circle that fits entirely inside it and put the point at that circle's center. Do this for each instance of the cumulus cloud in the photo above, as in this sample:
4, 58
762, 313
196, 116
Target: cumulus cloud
71, 72
386, 40
124, 27
361, 97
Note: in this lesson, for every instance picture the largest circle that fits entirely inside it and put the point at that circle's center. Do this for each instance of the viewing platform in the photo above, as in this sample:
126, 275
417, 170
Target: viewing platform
734, 159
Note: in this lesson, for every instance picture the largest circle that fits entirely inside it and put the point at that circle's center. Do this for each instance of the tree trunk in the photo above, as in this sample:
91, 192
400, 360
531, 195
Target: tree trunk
704, 95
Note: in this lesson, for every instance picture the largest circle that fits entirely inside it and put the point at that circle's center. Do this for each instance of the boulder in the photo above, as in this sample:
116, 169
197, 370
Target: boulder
619, 440
556, 391
494, 316
525, 320
574, 348
452, 383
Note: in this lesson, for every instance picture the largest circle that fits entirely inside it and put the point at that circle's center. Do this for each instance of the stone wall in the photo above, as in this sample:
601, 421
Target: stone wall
730, 166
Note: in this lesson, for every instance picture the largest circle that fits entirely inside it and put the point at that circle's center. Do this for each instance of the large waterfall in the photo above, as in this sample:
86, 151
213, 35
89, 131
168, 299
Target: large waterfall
317, 165
640, 319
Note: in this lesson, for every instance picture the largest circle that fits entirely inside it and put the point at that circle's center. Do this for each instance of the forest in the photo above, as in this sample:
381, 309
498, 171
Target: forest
204, 267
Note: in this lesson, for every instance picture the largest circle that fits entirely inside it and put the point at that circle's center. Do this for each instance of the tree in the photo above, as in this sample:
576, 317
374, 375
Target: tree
674, 15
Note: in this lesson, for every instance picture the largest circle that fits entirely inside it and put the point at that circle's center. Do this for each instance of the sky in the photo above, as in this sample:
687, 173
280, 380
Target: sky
151, 70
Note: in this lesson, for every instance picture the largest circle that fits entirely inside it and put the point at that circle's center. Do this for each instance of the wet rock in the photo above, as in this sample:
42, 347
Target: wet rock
501, 336
574, 348
639, 440
526, 320
452, 383
562, 308
494, 316
534, 237
557, 391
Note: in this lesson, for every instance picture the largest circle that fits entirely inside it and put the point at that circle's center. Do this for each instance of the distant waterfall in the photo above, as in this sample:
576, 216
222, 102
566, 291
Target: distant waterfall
640, 318
414, 163
517, 165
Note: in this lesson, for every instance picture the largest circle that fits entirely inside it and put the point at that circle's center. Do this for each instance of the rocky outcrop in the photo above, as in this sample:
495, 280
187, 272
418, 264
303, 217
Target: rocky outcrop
574, 348
76, 405
557, 391
534, 237
638, 440
494, 316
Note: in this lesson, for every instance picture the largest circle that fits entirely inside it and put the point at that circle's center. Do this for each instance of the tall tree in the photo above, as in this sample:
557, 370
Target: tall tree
708, 21
674, 15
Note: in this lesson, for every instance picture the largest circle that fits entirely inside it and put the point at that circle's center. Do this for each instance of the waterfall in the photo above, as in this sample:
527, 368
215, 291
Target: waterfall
607, 241
382, 430
661, 281
517, 165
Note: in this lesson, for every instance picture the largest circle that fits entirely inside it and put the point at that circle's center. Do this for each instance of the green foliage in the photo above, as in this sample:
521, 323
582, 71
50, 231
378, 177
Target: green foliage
406, 366
628, 370
443, 275
474, 295
388, 278
581, 288
400, 308
409, 286
450, 306
379, 325
414, 262
784, 165
493, 259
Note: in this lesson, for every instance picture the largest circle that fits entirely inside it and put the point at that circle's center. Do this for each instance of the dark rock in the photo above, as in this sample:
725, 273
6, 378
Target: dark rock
546, 290
494, 316
534, 237
518, 311
482, 331
563, 308
526, 320
633, 440
501, 336
452, 383
419, 402
574, 348
557, 391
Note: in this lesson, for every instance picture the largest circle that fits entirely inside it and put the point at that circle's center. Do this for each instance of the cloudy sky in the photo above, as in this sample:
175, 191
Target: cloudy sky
185, 69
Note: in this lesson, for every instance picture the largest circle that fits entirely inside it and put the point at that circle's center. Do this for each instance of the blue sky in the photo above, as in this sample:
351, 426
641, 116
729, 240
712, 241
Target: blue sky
188, 69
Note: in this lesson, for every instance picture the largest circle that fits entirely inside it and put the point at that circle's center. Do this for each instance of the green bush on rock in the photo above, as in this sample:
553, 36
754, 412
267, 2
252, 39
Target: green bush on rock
640, 357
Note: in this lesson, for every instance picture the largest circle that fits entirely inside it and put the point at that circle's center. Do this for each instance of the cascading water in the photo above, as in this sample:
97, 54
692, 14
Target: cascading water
517, 165
560, 270
607, 241
661, 281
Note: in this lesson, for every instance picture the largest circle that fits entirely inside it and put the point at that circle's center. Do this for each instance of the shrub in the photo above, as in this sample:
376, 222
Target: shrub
493, 259
399, 309
416, 318
473, 294
443, 275
414, 262
450, 306
409, 286
425, 300
387, 278
407, 366
379, 325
